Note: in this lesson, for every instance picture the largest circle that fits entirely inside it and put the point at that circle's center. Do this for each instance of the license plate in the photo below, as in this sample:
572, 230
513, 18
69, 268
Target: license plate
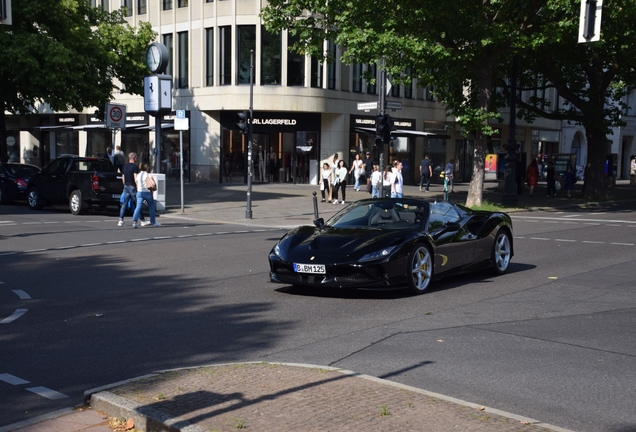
310, 268
116, 196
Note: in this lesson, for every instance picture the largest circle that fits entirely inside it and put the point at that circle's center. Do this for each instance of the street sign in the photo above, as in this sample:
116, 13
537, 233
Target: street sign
366, 106
181, 114
115, 116
181, 124
590, 21
394, 105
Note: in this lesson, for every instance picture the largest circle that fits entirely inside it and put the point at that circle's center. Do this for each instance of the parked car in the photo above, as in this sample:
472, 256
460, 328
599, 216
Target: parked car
79, 181
386, 243
14, 178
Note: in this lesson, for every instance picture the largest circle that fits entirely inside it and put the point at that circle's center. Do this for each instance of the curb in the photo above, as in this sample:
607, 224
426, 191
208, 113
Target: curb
153, 419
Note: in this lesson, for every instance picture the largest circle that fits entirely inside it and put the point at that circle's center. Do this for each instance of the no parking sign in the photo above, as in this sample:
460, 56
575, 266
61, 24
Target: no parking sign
115, 116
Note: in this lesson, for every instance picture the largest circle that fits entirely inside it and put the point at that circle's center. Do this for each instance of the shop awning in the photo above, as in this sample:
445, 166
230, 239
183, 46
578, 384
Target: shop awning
163, 126
103, 126
398, 132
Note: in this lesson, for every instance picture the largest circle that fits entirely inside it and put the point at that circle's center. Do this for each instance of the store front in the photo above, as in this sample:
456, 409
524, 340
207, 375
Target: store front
286, 148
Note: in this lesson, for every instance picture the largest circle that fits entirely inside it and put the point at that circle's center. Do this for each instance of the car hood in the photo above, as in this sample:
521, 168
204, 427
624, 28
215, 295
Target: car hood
331, 242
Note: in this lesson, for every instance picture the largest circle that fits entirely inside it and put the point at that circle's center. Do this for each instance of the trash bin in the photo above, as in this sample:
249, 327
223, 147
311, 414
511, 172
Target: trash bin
160, 194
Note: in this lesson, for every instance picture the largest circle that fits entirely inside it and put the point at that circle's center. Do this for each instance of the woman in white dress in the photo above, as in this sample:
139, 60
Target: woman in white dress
358, 168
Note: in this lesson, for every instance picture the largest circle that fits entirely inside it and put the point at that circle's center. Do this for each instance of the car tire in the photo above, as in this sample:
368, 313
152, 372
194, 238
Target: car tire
34, 200
501, 252
75, 202
419, 268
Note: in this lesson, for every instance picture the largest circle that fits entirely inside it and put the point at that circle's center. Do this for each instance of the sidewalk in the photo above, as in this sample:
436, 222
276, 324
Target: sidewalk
289, 397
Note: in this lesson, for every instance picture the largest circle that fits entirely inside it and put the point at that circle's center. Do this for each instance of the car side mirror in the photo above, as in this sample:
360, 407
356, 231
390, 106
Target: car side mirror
451, 226
320, 222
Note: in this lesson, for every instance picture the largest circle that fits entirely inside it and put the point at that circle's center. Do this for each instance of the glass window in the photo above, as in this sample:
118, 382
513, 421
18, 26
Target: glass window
182, 3
373, 73
356, 72
246, 43
225, 55
67, 142
270, 57
395, 90
331, 67
127, 4
295, 65
102, 3
167, 4
209, 56
167, 41
141, 7
441, 213
316, 73
183, 59
58, 166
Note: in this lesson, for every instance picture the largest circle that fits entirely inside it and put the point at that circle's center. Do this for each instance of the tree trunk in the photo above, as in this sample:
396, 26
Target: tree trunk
593, 185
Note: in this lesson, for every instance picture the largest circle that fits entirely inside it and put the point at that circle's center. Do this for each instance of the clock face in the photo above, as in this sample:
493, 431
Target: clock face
157, 57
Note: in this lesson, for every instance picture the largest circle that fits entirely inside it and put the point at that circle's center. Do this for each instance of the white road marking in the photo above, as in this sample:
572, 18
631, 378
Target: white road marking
35, 250
14, 316
5, 222
13, 380
569, 216
162, 238
51, 222
593, 242
623, 244
545, 218
564, 240
31, 223
204, 234
91, 244
22, 295
46, 392
116, 241
539, 238
185, 236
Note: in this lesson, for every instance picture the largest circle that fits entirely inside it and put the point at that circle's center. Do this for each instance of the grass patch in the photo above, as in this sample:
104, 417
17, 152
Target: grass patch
488, 206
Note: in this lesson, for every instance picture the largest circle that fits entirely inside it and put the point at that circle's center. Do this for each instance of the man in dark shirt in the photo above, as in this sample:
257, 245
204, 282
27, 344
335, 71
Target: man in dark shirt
128, 178
426, 172
368, 169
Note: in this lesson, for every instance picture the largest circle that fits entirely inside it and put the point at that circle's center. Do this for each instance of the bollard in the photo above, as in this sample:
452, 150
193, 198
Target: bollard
315, 206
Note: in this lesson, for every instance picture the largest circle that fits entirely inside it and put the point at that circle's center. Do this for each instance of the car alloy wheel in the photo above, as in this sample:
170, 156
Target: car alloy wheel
33, 199
420, 269
501, 252
75, 202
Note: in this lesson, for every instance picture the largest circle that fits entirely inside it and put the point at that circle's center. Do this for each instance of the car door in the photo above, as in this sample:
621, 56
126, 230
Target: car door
454, 246
52, 182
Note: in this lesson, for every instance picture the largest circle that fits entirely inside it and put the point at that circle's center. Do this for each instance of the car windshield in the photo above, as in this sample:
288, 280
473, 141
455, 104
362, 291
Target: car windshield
22, 171
385, 214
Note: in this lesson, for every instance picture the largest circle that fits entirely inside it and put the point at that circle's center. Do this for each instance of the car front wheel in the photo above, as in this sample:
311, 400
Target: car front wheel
501, 252
33, 199
420, 269
75, 203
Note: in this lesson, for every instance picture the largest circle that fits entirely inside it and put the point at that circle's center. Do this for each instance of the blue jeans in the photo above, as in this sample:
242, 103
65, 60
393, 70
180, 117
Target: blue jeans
356, 186
141, 196
396, 194
375, 192
427, 178
130, 194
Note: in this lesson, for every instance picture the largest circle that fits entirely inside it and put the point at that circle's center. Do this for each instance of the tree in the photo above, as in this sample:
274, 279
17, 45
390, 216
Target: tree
67, 54
591, 78
457, 46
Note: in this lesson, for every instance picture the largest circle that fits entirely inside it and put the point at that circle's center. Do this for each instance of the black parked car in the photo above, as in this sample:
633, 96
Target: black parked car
78, 181
14, 178
392, 242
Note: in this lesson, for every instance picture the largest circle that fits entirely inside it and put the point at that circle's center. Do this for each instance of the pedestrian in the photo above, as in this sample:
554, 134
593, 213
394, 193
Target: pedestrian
426, 172
143, 194
334, 163
449, 174
327, 179
632, 171
398, 180
368, 170
387, 180
551, 179
110, 154
532, 175
341, 182
358, 168
129, 198
570, 179
119, 159
376, 182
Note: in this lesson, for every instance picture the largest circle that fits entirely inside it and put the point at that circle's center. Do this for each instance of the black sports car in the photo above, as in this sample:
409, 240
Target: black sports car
392, 242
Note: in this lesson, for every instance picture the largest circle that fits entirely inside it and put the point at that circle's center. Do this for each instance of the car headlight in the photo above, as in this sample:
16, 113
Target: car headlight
277, 250
378, 254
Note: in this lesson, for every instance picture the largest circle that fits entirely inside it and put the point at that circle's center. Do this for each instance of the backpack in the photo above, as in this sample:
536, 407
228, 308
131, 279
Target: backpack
151, 185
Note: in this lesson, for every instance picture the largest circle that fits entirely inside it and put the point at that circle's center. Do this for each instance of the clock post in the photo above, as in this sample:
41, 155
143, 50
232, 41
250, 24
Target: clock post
157, 92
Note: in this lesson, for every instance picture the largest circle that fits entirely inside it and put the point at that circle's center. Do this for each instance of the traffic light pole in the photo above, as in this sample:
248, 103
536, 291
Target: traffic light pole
248, 211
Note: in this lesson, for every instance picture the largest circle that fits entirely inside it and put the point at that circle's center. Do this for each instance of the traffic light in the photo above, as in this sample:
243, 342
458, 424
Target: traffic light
389, 127
590, 18
242, 124
380, 130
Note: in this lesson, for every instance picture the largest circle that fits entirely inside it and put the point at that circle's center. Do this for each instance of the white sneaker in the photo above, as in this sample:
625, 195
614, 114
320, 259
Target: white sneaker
156, 224
135, 225
121, 223
342, 202
335, 201
145, 223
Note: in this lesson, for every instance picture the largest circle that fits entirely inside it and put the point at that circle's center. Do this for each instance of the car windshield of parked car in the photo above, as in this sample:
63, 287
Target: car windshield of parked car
22, 171
385, 214
93, 165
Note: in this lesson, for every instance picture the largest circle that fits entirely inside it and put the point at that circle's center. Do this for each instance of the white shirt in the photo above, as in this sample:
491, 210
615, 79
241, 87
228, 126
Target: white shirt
399, 181
376, 177
141, 181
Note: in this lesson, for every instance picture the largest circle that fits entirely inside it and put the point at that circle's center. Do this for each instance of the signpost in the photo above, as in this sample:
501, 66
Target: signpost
115, 120
181, 123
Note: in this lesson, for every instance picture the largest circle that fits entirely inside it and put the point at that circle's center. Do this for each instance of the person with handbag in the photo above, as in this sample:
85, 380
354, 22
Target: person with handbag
145, 186
340, 182
129, 194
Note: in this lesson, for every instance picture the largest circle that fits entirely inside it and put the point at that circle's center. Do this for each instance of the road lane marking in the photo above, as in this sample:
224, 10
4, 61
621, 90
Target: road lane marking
564, 240
12, 379
539, 238
46, 392
623, 244
593, 242
22, 295
14, 316
6, 222
546, 218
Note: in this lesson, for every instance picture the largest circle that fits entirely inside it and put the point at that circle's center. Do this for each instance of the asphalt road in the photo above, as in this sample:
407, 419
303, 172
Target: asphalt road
84, 303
